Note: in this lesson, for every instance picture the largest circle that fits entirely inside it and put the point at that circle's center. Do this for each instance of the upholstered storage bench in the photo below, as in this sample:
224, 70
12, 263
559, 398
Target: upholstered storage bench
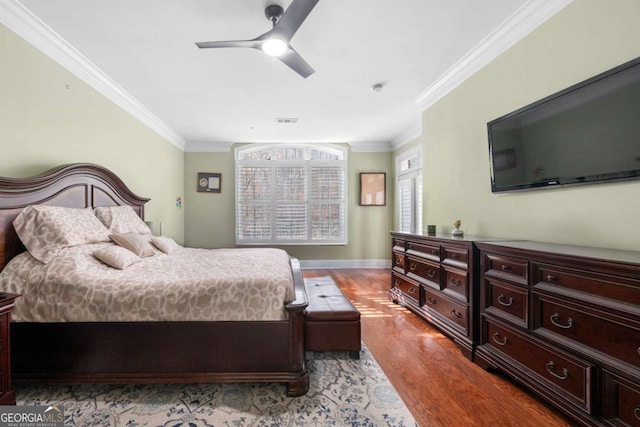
331, 322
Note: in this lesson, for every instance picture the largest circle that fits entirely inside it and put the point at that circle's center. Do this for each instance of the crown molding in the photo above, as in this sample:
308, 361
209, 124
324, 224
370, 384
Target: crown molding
208, 147
24, 23
370, 147
407, 136
522, 22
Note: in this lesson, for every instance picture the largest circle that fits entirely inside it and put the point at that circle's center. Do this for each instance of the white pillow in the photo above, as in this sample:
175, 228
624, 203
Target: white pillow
139, 244
165, 244
116, 257
45, 230
121, 220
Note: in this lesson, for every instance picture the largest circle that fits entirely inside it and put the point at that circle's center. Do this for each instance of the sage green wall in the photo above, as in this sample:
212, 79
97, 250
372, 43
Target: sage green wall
210, 220
584, 39
50, 117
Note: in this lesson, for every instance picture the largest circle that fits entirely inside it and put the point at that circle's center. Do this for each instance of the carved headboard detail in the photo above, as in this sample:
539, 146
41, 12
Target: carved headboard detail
76, 185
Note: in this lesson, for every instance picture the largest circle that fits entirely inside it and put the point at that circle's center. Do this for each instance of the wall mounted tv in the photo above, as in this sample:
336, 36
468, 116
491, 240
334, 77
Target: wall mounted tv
588, 133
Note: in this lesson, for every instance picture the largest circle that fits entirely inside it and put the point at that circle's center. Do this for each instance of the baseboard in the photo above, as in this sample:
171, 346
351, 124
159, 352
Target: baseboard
344, 263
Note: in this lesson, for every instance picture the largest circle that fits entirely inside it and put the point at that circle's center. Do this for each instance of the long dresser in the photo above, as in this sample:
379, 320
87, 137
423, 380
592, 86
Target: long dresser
565, 322
436, 277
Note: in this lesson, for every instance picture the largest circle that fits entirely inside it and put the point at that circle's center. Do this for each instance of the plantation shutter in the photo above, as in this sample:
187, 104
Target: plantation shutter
291, 195
405, 205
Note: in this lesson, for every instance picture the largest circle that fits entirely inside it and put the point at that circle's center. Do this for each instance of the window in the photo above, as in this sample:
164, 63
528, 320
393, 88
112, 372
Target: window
409, 191
291, 194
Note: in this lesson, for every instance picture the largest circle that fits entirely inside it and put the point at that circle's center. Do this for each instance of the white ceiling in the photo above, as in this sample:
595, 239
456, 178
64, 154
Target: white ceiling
215, 97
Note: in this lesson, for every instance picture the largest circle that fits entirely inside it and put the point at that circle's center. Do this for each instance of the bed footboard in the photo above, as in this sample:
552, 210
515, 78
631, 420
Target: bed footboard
166, 352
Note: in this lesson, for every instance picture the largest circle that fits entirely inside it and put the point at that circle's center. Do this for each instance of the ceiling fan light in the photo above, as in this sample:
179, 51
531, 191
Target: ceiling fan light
274, 47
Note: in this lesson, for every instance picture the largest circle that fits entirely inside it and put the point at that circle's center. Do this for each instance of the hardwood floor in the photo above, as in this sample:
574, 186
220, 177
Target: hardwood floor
438, 384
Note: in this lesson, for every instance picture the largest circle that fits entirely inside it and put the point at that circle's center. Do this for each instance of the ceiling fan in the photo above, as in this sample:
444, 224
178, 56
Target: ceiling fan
275, 42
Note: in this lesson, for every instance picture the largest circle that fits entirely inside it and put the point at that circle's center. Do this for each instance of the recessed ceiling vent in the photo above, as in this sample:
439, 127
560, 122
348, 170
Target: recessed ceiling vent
287, 120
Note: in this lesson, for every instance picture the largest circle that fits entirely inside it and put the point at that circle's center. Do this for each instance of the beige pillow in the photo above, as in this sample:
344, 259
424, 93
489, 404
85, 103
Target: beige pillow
165, 244
139, 244
45, 230
121, 220
116, 257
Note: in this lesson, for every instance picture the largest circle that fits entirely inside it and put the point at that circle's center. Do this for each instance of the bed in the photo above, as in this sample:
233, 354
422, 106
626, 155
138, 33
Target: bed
72, 345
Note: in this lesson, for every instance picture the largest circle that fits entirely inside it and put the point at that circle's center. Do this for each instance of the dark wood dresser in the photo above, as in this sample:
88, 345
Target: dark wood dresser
7, 396
436, 277
565, 322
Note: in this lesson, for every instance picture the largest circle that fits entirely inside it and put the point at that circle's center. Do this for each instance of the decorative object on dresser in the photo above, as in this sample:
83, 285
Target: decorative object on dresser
565, 321
436, 278
7, 396
456, 229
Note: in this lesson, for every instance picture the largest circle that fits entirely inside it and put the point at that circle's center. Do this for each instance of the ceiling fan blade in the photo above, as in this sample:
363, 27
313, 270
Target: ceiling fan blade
256, 44
293, 18
296, 63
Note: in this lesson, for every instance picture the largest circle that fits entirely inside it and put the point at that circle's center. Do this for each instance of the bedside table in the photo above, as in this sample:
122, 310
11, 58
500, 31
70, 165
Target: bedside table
7, 396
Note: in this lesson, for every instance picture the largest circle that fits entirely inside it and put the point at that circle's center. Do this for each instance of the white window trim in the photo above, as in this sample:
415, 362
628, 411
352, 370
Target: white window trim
340, 151
412, 174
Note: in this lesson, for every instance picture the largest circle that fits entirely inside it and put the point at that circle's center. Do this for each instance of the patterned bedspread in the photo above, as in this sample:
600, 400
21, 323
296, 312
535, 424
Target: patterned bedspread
188, 284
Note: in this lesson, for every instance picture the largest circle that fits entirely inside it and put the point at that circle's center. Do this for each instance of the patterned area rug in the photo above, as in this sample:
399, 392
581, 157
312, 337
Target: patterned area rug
343, 392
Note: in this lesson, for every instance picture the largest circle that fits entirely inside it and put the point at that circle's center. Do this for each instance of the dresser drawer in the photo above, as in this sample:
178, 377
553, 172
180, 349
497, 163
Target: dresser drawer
456, 256
607, 286
455, 312
427, 272
507, 301
608, 332
513, 269
567, 376
398, 262
621, 401
424, 250
408, 288
456, 283
398, 245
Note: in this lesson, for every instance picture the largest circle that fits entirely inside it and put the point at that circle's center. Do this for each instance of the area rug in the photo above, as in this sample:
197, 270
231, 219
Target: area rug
343, 392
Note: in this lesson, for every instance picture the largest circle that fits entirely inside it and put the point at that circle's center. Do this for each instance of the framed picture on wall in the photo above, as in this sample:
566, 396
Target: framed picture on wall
209, 182
373, 189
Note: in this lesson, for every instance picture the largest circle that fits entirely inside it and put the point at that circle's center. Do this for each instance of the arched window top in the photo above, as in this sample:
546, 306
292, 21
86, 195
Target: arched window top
291, 152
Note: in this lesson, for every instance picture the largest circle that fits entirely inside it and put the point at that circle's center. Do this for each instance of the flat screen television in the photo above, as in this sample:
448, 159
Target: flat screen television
588, 133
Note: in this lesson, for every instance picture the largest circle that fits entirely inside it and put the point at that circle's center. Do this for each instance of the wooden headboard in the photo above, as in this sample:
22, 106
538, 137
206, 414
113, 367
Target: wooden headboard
77, 185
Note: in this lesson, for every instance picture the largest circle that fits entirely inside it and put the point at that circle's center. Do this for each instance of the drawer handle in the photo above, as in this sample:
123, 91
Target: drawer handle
431, 274
412, 290
555, 317
398, 261
495, 337
636, 412
454, 256
454, 282
551, 278
552, 366
413, 266
506, 304
431, 300
435, 252
456, 314
506, 267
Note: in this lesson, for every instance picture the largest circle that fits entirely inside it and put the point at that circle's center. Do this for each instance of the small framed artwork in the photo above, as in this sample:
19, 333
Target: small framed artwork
373, 189
209, 182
